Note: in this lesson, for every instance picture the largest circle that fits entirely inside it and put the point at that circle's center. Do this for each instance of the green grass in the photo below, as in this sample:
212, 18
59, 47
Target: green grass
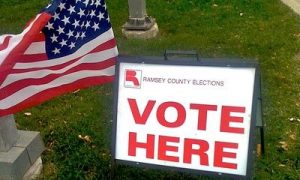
263, 30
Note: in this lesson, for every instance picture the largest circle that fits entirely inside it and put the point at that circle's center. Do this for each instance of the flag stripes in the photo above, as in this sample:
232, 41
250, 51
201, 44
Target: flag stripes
54, 55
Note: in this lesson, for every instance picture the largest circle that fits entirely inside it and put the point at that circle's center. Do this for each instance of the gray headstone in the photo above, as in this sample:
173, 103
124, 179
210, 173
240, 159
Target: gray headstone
137, 9
138, 18
8, 133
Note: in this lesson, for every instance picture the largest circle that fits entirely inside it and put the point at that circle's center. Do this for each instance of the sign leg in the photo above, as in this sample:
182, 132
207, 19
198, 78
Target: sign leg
262, 140
260, 149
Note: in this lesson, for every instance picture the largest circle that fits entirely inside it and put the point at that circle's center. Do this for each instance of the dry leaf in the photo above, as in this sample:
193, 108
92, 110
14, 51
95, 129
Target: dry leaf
284, 145
76, 91
85, 138
258, 149
27, 114
297, 34
291, 119
293, 136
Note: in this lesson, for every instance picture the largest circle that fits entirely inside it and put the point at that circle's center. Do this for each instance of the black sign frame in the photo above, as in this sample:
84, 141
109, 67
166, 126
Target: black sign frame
209, 62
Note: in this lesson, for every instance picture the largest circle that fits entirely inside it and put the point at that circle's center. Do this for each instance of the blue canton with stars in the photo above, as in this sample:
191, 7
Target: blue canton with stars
74, 23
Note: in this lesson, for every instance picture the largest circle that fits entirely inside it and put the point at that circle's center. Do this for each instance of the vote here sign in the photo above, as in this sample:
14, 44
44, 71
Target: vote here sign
197, 117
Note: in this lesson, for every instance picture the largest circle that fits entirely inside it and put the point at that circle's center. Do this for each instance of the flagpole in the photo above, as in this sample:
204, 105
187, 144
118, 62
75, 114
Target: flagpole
20, 151
139, 24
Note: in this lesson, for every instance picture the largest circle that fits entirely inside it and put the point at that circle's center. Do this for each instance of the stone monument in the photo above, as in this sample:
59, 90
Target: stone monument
139, 24
20, 151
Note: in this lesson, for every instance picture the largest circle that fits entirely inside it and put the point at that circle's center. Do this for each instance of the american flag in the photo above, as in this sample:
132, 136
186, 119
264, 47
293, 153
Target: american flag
68, 46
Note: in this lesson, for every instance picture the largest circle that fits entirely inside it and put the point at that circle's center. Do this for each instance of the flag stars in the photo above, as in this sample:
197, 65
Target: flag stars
60, 30
82, 25
63, 43
70, 34
56, 16
76, 23
49, 5
77, 35
62, 6
86, 2
72, 45
71, 9
66, 20
87, 24
100, 16
56, 51
72, 25
81, 13
92, 14
49, 26
97, 3
96, 26
53, 38
82, 35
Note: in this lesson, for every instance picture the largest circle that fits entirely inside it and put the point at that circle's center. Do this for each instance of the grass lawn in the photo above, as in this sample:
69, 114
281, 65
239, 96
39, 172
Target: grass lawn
266, 31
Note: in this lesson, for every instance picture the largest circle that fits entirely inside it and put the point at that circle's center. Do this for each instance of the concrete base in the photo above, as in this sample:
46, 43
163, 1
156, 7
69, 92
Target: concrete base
293, 4
140, 34
22, 156
35, 170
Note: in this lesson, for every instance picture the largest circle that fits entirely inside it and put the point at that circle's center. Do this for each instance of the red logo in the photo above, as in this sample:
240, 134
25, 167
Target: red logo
133, 78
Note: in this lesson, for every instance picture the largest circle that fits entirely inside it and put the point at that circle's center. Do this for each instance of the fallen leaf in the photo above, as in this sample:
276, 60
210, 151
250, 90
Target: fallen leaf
85, 138
284, 145
27, 114
297, 34
76, 91
293, 136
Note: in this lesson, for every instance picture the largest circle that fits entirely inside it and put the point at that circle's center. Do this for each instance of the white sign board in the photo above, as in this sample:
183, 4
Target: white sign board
185, 116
